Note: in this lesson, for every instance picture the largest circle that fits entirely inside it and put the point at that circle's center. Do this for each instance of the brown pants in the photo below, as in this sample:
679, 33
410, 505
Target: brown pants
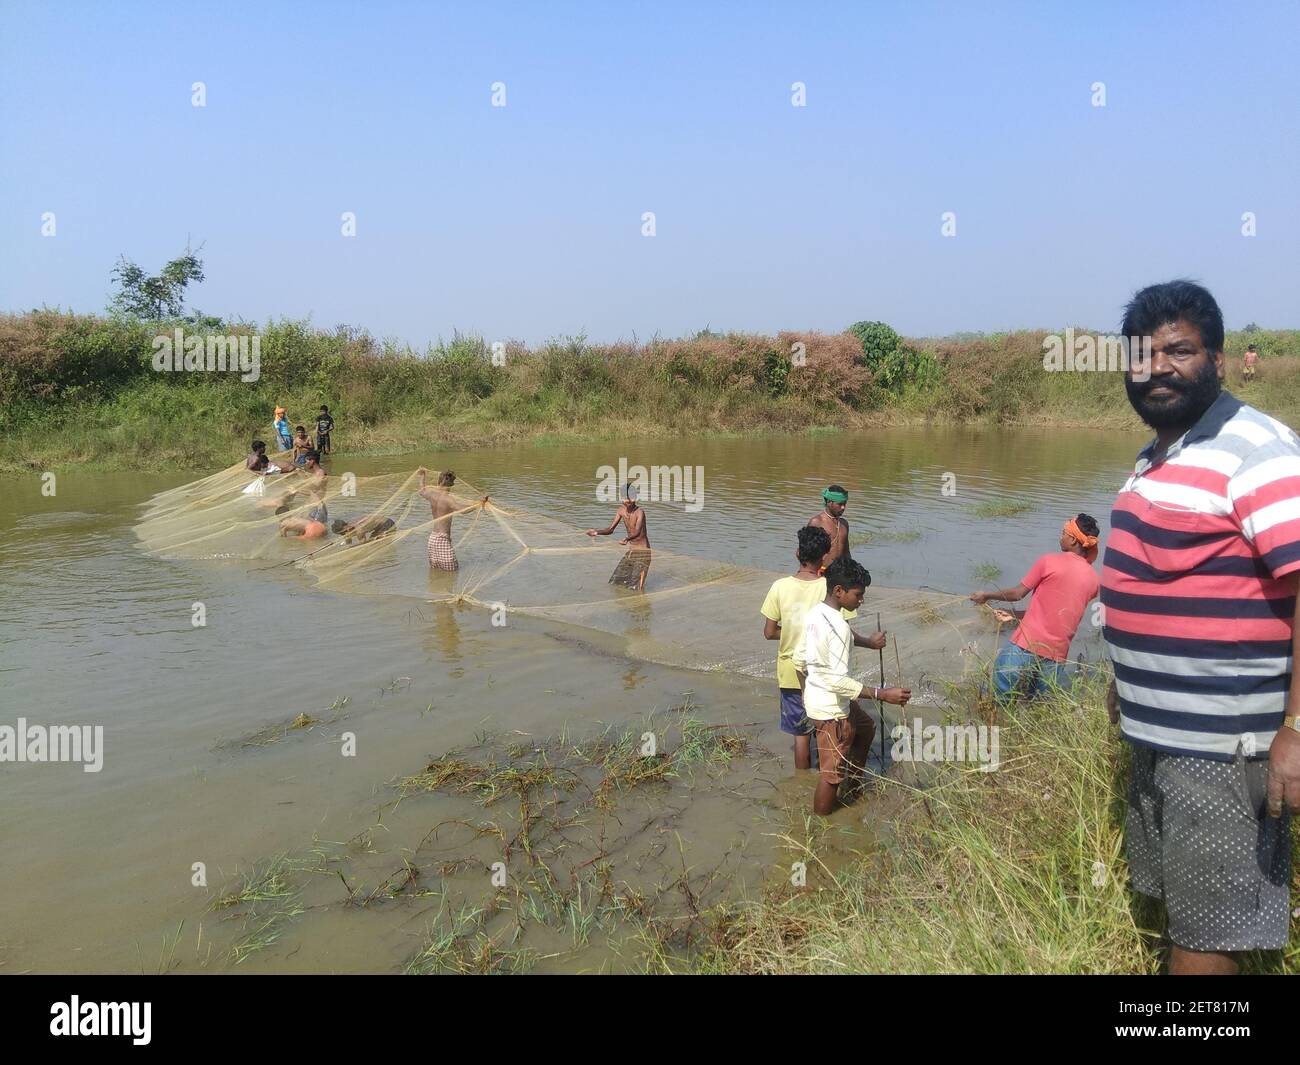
834, 738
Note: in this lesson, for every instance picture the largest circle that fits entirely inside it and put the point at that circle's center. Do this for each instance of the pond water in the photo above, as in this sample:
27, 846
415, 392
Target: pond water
99, 868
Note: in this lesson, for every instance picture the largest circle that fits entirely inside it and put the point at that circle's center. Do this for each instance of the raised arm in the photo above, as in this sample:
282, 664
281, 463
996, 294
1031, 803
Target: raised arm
424, 490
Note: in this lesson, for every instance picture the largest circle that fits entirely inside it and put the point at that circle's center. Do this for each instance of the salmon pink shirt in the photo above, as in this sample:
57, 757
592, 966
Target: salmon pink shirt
1063, 583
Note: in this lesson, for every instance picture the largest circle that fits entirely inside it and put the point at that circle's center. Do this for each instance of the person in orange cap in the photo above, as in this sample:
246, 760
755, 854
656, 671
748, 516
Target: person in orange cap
282, 429
1063, 583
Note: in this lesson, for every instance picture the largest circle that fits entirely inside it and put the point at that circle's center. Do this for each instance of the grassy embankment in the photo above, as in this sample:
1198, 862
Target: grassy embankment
80, 390
1020, 870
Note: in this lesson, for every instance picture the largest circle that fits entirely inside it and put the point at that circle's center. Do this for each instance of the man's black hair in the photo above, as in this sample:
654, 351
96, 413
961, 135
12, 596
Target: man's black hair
837, 488
1087, 525
847, 573
259, 445
299, 428
813, 544
311, 456
324, 408
1175, 301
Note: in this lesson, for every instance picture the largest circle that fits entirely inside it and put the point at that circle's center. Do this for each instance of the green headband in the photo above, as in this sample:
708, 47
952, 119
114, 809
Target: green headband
835, 497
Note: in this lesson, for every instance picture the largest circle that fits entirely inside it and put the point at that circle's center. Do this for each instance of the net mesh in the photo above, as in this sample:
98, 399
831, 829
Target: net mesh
695, 613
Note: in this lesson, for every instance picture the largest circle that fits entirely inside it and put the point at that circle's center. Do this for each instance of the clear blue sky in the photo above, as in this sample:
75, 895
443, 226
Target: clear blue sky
525, 221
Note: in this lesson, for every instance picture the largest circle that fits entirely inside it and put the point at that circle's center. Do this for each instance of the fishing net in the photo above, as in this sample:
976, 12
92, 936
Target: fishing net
690, 612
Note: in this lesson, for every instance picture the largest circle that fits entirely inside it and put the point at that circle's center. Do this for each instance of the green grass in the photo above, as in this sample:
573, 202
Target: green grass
1001, 508
265, 902
79, 390
985, 572
863, 539
459, 944
1020, 870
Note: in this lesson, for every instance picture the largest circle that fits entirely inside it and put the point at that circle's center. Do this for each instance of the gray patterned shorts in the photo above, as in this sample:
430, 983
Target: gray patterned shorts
1199, 837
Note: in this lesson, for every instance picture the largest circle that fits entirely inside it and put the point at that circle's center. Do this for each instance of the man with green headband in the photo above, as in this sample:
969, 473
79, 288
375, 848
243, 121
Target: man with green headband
831, 520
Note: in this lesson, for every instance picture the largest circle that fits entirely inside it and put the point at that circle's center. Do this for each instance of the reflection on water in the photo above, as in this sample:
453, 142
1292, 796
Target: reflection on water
95, 632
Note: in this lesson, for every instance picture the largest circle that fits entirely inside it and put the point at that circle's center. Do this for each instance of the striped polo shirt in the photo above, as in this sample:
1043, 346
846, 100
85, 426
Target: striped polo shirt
1198, 617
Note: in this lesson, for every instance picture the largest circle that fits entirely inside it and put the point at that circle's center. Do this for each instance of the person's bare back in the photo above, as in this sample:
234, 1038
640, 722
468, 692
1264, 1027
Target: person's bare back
442, 503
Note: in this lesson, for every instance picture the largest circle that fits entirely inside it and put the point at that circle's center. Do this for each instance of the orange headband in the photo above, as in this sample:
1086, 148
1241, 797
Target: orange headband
1088, 543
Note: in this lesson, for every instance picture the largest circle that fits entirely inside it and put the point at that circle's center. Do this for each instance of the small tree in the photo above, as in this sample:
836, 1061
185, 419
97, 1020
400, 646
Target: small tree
156, 297
892, 363
879, 342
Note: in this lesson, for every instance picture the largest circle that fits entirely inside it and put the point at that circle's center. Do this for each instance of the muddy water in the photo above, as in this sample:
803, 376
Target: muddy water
97, 869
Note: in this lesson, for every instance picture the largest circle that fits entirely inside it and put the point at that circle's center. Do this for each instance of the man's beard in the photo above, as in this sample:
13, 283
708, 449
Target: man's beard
1191, 399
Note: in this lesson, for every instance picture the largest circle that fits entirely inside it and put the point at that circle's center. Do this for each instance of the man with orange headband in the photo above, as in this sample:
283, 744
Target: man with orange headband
1063, 584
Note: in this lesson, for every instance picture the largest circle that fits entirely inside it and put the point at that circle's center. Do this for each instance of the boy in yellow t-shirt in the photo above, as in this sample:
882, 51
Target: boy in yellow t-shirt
784, 610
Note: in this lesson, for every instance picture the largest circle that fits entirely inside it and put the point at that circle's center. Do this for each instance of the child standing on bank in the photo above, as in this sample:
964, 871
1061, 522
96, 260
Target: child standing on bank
324, 426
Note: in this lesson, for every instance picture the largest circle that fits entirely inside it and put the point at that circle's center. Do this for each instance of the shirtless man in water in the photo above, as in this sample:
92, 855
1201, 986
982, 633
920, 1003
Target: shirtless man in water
832, 522
635, 565
316, 521
317, 479
442, 555
257, 462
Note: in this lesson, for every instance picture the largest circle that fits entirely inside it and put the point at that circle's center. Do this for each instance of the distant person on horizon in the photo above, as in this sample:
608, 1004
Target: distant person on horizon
784, 610
1063, 583
633, 567
324, 426
831, 519
830, 694
1248, 364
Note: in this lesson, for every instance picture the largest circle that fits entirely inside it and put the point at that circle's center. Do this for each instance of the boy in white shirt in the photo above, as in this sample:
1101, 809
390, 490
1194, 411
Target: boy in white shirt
844, 731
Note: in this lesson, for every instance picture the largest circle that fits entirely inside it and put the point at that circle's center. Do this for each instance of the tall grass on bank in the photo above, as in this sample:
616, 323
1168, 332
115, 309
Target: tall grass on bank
1020, 870
80, 389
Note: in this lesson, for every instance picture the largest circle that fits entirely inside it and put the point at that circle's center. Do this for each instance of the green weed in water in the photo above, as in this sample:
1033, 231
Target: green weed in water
265, 902
1001, 508
909, 536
